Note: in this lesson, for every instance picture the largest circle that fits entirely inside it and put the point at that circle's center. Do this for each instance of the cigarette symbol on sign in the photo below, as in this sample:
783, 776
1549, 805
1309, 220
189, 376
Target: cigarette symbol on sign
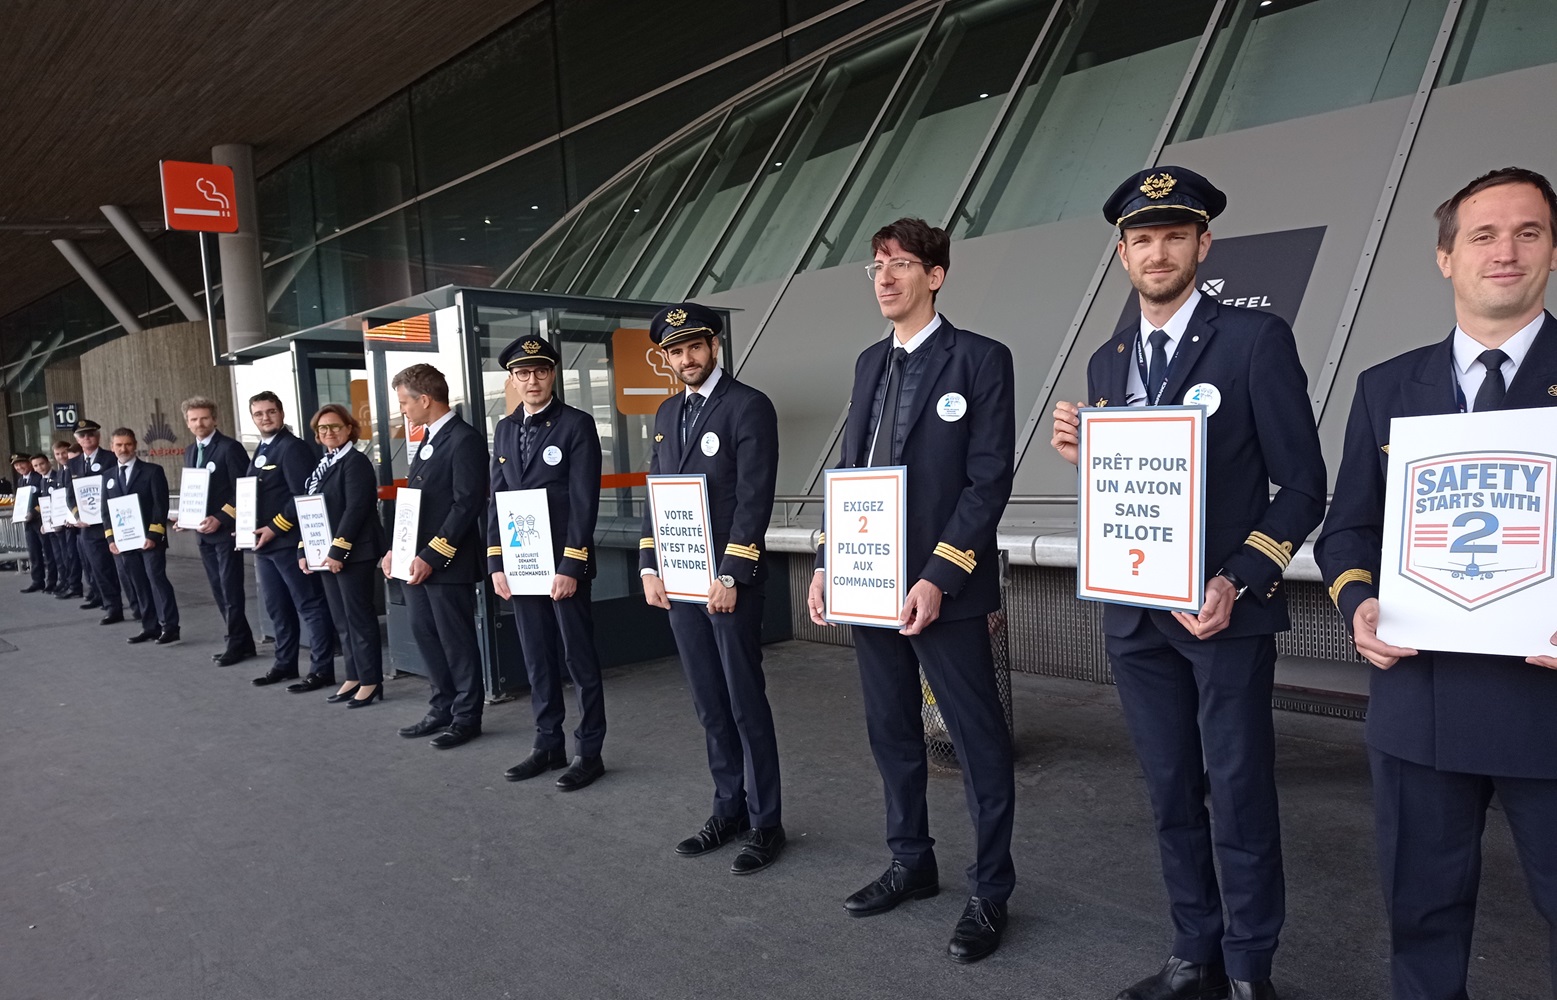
208, 191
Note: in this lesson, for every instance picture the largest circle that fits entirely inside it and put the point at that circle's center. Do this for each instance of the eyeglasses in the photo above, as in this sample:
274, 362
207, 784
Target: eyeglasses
532, 373
898, 267
329, 428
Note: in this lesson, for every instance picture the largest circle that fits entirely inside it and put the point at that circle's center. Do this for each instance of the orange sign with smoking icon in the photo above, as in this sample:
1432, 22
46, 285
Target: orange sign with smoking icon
644, 378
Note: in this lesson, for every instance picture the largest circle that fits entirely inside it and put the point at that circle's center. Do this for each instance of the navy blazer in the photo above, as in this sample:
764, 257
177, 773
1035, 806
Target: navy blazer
150, 484
453, 481
741, 472
282, 465
1453, 711
572, 482
959, 469
228, 461
1262, 434
350, 491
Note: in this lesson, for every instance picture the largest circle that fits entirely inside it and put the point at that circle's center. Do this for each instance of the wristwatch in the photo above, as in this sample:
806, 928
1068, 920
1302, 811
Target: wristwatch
1238, 585
727, 581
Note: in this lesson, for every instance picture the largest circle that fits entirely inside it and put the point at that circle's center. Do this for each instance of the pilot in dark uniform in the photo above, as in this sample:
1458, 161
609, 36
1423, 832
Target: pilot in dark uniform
449, 467
37, 565
147, 565
227, 461
1446, 731
53, 563
546, 444
282, 463
95, 461
727, 431
68, 545
1196, 689
88, 573
939, 401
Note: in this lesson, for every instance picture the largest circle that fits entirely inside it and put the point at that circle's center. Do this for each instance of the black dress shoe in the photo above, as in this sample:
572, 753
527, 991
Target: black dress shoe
762, 847
897, 884
92, 605
377, 694
32, 589
143, 637
274, 676
978, 930
111, 619
68, 595
582, 774
456, 735
346, 695
717, 832
538, 762
228, 657
312, 682
1259, 989
168, 637
427, 726
1181, 980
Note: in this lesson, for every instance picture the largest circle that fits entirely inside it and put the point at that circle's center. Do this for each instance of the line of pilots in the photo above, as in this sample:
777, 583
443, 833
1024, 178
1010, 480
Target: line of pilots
1445, 733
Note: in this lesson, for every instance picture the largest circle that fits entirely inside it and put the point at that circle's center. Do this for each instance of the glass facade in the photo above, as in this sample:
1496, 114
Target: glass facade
781, 141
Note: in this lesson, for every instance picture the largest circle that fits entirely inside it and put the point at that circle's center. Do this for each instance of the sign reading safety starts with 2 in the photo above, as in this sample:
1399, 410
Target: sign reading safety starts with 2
1469, 533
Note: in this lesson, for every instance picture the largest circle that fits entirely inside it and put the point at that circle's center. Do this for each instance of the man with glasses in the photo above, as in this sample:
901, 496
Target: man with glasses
227, 461
1196, 688
547, 444
939, 401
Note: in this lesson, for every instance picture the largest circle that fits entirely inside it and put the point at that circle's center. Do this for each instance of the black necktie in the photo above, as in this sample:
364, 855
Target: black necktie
1490, 395
124, 471
526, 434
1157, 371
689, 411
886, 425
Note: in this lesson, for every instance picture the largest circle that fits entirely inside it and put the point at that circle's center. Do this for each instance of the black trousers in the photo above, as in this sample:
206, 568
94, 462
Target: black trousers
69, 559
554, 634
1199, 715
350, 596
443, 624
40, 553
224, 571
960, 667
148, 568
1429, 825
84, 558
721, 655
291, 596
105, 570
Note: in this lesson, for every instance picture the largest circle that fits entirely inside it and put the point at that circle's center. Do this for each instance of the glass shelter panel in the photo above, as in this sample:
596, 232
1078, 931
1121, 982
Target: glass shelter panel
1498, 36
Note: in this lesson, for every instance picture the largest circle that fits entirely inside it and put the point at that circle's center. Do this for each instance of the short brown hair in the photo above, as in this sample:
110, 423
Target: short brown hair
1448, 214
61, 444
199, 403
423, 380
918, 237
124, 432
340, 411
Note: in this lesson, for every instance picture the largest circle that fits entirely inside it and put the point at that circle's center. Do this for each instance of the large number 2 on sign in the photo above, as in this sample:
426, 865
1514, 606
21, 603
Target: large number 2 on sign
863, 527
1489, 524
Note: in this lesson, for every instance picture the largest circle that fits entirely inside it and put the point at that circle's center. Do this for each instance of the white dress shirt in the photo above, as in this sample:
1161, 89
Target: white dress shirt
1135, 389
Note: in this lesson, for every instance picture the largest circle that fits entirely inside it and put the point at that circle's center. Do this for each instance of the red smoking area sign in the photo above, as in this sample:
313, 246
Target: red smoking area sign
199, 197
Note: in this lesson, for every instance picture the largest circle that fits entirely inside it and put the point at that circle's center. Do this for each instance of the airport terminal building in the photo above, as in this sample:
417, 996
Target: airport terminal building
561, 168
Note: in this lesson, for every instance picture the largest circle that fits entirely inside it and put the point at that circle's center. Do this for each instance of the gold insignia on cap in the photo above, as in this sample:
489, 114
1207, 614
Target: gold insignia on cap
531, 346
676, 317
1158, 186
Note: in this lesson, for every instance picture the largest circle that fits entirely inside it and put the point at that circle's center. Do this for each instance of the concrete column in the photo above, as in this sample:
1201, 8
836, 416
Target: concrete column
243, 284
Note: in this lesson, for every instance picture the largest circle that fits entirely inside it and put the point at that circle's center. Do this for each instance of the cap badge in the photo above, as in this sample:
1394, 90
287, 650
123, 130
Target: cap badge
676, 317
531, 346
1158, 186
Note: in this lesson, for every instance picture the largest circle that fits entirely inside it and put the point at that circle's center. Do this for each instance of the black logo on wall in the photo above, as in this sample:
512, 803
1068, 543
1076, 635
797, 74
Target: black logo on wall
1268, 271
158, 429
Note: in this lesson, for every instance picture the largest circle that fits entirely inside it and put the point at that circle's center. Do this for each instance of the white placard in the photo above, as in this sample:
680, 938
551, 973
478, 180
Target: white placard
1141, 506
1470, 515
89, 499
194, 490
45, 514
408, 517
682, 542
59, 507
124, 515
865, 560
524, 531
246, 504
21, 504
313, 524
